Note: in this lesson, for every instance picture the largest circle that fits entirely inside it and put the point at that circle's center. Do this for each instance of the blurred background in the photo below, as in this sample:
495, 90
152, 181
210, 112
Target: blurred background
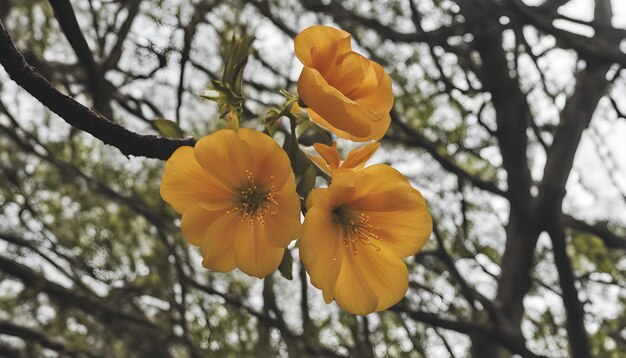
509, 116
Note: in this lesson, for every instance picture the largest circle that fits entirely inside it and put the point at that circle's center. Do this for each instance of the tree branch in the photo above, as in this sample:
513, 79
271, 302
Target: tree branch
31, 334
69, 24
77, 115
611, 240
601, 48
514, 345
580, 346
116, 52
416, 139
70, 297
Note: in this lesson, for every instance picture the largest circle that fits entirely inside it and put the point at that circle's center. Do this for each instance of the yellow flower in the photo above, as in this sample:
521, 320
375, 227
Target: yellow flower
344, 91
356, 233
331, 163
236, 193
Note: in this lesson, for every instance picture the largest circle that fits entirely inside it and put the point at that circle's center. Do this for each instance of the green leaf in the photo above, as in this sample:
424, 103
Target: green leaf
307, 182
168, 128
311, 133
286, 265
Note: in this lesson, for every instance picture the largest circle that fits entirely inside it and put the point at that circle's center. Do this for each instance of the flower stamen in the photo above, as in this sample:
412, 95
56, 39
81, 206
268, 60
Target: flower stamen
255, 203
360, 231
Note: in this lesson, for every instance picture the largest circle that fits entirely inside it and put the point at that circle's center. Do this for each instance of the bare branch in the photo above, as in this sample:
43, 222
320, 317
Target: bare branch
77, 115
576, 332
601, 230
34, 335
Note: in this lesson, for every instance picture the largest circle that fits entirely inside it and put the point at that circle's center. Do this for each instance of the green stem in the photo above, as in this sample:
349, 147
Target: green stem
294, 138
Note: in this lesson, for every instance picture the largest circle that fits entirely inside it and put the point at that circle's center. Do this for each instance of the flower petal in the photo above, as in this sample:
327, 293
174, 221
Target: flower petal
224, 155
317, 197
269, 163
371, 280
352, 290
387, 198
379, 99
377, 129
354, 75
217, 247
382, 188
403, 232
320, 250
253, 254
338, 110
319, 46
330, 198
186, 183
285, 226
321, 162
330, 154
358, 157
196, 222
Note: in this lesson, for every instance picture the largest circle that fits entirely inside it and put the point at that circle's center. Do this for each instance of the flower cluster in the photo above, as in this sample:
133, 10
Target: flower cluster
236, 189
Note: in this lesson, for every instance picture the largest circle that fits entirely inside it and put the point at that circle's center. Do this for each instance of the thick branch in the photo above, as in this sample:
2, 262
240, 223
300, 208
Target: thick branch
69, 24
512, 118
610, 239
68, 296
604, 47
116, 52
34, 335
591, 86
67, 19
340, 13
77, 115
469, 328
576, 332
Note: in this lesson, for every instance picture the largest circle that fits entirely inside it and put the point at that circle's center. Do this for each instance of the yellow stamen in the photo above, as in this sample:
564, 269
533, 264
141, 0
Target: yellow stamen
254, 202
359, 231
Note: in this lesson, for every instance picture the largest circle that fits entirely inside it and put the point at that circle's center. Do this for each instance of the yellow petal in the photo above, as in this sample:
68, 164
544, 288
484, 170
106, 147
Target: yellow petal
319, 46
285, 226
380, 98
352, 290
341, 190
186, 183
317, 197
224, 155
217, 247
403, 232
382, 188
196, 222
268, 161
330, 154
358, 157
353, 75
370, 281
377, 129
320, 250
336, 109
387, 198
253, 254
322, 163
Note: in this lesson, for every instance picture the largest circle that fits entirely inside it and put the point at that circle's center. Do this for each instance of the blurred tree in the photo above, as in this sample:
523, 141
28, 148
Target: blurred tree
506, 116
